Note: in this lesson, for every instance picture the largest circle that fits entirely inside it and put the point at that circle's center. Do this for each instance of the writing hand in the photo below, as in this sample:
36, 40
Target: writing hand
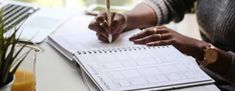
100, 26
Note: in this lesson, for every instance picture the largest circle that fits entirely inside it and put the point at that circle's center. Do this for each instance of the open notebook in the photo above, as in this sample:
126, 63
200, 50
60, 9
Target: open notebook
125, 66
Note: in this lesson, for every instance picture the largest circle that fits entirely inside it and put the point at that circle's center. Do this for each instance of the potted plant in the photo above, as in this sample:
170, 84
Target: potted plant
11, 55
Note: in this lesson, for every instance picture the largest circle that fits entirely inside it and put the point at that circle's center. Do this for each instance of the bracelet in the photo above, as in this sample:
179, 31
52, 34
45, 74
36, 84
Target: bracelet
210, 55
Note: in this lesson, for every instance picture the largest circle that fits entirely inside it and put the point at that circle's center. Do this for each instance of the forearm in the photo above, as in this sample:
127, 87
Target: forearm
142, 16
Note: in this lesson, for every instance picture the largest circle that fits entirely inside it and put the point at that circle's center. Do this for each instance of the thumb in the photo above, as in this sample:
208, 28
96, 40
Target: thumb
114, 27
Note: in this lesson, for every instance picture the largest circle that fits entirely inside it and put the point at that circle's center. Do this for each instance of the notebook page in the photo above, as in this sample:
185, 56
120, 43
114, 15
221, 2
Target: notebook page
139, 68
80, 40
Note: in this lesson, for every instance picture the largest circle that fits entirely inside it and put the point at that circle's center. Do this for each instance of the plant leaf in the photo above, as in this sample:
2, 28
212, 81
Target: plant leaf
7, 54
20, 61
11, 41
1, 40
19, 51
8, 61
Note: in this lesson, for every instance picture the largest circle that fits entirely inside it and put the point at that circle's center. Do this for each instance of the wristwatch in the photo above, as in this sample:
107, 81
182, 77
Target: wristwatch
210, 55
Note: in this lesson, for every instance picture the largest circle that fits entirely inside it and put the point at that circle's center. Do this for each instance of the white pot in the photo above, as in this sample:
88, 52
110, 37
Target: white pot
8, 86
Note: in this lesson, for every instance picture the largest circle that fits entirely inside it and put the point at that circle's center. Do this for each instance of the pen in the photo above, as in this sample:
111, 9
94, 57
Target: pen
108, 19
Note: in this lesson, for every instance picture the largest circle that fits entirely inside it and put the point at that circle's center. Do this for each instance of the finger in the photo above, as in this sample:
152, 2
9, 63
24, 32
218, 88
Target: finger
101, 17
105, 27
99, 29
118, 24
161, 27
105, 39
99, 26
113, 16
102, 38
116, 27
147, 32
100, 34
104, 15
151, 38
94, 24
154, 27
141, 35
160, 43
103, 23
115, 37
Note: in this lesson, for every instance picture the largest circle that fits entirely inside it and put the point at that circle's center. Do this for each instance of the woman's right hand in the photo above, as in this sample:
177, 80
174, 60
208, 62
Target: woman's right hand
100, 26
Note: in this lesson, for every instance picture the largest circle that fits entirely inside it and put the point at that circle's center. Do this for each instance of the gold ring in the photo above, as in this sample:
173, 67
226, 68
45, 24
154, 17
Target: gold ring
155, 30
101, 24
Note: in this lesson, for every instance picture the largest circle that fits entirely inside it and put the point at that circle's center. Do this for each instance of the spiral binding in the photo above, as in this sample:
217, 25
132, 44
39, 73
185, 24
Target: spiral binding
115, 50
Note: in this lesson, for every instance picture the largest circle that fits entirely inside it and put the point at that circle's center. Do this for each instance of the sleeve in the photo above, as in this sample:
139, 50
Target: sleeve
168, 10
231, 72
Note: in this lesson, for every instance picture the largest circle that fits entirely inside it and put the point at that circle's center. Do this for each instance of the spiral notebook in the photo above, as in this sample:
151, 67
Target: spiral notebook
138, 68
125, 66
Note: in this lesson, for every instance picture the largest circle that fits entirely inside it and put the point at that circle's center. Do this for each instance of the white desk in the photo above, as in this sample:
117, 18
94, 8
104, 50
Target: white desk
56, 73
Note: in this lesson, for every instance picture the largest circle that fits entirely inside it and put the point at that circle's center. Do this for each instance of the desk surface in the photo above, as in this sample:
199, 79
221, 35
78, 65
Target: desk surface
56, 73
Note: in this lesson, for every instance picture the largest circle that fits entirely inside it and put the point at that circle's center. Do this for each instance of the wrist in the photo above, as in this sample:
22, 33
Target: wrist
201, 46
125, 21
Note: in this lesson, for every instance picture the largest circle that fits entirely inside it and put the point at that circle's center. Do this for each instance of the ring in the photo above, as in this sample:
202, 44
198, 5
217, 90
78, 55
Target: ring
160, 36
155, 30
101, 24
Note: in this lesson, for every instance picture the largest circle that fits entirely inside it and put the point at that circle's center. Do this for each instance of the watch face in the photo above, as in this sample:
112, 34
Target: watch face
211, 55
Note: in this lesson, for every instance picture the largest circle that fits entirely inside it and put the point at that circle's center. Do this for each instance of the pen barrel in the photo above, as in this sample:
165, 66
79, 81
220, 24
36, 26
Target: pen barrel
109, 20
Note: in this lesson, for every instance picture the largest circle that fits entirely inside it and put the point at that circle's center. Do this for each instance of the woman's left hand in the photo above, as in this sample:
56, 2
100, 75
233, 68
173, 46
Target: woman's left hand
161, 35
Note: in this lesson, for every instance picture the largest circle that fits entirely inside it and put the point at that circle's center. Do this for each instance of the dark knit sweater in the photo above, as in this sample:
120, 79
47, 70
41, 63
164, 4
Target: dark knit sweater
216, 19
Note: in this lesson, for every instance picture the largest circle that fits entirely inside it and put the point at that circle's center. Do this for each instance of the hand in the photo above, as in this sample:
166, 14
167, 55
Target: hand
158, 36
100, 26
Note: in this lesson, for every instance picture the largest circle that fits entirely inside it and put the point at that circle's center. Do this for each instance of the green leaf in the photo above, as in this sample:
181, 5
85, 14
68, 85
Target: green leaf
8, 61
11, 41
1, 39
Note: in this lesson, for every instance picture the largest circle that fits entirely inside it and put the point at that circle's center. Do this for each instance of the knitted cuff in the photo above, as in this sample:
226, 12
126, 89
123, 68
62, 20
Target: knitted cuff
160, 10
233, 57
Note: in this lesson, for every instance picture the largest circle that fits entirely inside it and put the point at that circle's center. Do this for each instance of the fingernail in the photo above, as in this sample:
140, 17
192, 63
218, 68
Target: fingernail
133, 36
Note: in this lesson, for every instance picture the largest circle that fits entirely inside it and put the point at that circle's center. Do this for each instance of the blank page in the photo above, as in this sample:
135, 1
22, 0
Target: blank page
80, 40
